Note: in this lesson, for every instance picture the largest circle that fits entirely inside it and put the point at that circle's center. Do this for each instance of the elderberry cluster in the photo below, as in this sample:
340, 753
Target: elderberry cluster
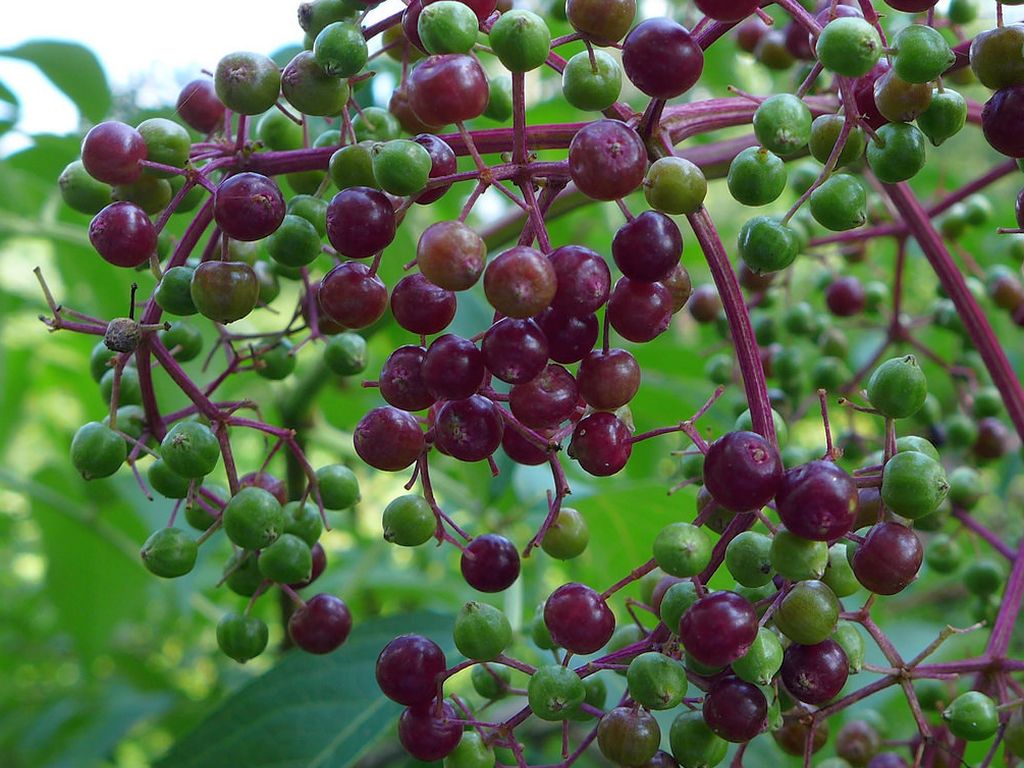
288, 175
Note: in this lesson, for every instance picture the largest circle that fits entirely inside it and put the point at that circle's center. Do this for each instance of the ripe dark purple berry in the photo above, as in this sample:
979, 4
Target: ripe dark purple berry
578, 618
742, 471
490, 563
408, 669
718, 628
817, 501
321, 625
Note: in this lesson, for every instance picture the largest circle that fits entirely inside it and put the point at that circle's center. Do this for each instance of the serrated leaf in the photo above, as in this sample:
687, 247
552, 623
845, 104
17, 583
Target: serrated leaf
308, 711
73, 69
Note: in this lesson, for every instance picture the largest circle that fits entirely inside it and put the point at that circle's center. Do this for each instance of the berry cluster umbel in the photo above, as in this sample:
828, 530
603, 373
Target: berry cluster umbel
796, 531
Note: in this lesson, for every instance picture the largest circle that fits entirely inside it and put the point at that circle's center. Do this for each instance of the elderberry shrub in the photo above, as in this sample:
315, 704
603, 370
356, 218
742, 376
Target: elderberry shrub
534, 341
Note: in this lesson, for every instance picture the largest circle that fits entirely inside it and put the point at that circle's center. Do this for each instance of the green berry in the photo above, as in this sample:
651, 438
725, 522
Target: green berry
312, 209
656, 681
943, 554
224, 291
402, 167
898, 387
808, 613
346, 354
253, 518
972, 716
913, 484
984, 577
996, 56
554, 691
288, 560
274, 359
190, 449
302, 519
682, 549
945, 117
131, 391
167, 143
471, 751
693, 744
352, 166
1013, 736
499, 98
898, 153
338, 485
839, 575
762, 661
628, 736
921, 54
165, 482
745, 423
521, 40
409, 521
798, 559
767, 245
595, 696
782, 123
825, 132
966, 487
311, 89
247, 83
676, 186
242, 574
592, 87
675, 602
242, 637
97, 451
99, 360
918, 444
849, 47
278, 132
296, 243
568, 535
183, 340
961, 431
840, 203
169, 552
491, 681
82, 192
756, 177
849, 638
962, 11
481, 632
340, 49
376, 124
539, 632
448, 26
748, 559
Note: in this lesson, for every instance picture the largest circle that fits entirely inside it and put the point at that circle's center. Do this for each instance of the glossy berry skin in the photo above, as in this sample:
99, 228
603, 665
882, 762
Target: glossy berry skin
601, 443
972, 716
388, 439
840, 204
578, 618
247, 83
607, 160
817, 501
1000, 120
521, 450
608, 380
735, 710
408, 521
224, 291
453, 368
520, 282
408, 668
401, 379
888, 559
766, 245
656, 681
694, 743
661, 58
442, 163
321, 625
469, 429
648, 247
628, 736
360, 222
123, 234
515, 351
287, 560
756, 176
589, 87
169, 553
554, 692
242, 637
899, 153
253, 518
727, 10
190, 449
808, 613
815, 674
490, 563
427, 736
639, 310
451, 255
450, 88
546, 400
351, 296
600, 21
719, 628
742, 471
849, 46
421, 307
248, 206
112, 152
520, 39
199, 106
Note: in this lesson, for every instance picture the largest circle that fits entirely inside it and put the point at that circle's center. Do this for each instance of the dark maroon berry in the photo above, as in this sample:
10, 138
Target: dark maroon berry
798, 43
421, 307
546, 400
817, 501
735, 709
570, 338
272, 485
453, 368
360, 222
123, 234
750, 33
648, 247
410, 22
742, 471
718, 628
993, 439
1001, 119
248, 206
601, 443
583, 280
199, 106
864, 96
469, 429
321, 625
815, 674
911, 6
578, 618
705, 304
448, 89
639, 311
727, 10
490, 563
408, 669
607, 160
319, 565
351, 296
428, 734
521, 450
442, 163
661, 58
401, 380
388, 439
112, 152
888, 559
515, 351
845, 297
608, 380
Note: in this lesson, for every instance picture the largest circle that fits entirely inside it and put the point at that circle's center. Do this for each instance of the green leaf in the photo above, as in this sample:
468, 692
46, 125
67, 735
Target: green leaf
309, 711
73, 68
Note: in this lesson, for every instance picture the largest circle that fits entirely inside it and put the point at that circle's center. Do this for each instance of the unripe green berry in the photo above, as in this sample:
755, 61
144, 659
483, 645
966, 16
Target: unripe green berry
169, 552
481, 632
242, 637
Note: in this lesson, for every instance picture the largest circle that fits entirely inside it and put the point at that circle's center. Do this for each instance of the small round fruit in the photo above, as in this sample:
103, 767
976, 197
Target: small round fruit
253, 518
888, 559
719, 628
782, 123
898, 152
735, 709
748, 559
628, 736
694, 743
817, 501
521, 40
762, 661
481, 632
676, 186
972, 716
490, 563
567, 536
190, 449
346, 354
661, 58
388, 439
913, 484
321, 625
656, 681
247, 83
591, 85
97, 451
449, 88
341, 49
898, 387
339, 487
554, 691
408, 668
409, 521
849, 46
169, 553
921, 54
840, 204
242, 637
287, 560
401, 167
797, 558
808, 613
123, 234
682, 549
224, 291
607, 160
756, 177
742, 471
578, 618
112, 152
767, 245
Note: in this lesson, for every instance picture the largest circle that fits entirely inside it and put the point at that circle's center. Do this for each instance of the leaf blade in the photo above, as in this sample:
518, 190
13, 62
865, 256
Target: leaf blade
73, 69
